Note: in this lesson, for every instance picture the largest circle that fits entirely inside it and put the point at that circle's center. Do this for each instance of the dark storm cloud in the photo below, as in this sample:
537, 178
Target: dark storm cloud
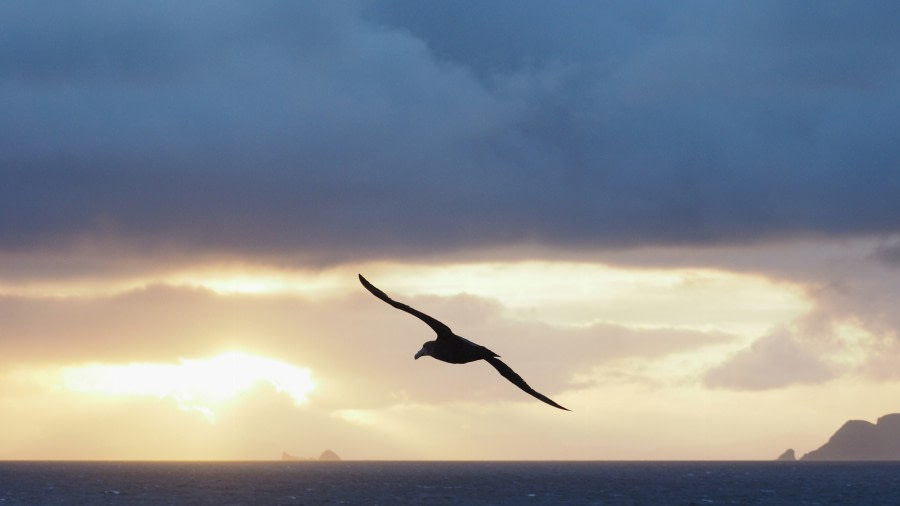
329, 131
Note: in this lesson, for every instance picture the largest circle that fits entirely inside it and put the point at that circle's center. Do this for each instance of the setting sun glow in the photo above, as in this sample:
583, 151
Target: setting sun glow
194, 384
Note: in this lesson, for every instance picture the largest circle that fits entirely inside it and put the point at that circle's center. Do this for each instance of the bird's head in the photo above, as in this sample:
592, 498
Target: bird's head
426, 349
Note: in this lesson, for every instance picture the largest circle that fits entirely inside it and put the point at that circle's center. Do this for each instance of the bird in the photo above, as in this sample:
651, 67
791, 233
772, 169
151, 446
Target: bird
454, 349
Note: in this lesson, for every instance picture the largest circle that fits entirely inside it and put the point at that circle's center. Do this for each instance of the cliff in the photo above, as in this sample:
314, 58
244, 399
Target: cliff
862, 440
787, 456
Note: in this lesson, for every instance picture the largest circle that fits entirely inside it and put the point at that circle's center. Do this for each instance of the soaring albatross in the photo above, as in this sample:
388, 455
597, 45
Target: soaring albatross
449, 347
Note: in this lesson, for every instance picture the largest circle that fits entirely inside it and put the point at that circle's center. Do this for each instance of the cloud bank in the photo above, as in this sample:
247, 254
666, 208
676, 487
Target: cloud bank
774, 361
317, 132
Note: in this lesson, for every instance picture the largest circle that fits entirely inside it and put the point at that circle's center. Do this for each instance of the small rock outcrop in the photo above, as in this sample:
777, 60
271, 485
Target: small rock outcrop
862, 440
787, 456
326, 455
329, 455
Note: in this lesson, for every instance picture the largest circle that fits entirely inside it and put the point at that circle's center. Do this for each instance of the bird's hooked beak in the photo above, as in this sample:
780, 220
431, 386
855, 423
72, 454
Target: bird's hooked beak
421, 353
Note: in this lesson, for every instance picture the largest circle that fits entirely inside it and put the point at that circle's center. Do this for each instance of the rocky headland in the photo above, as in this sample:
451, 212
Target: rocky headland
862, 440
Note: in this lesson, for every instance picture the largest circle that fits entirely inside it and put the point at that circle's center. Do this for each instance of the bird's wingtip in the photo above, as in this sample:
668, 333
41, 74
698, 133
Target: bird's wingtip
560, 406
369, 286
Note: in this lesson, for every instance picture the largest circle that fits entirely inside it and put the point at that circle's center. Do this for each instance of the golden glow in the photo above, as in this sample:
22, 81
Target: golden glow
194, 384
572, 293
223, 279
258, 281
649, 404
359, 416
855, 344
555, 292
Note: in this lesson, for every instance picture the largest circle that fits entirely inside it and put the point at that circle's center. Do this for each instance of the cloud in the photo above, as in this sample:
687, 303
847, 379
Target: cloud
340, 339
774, 361
851, 287
888, 253
321, 133
258, 424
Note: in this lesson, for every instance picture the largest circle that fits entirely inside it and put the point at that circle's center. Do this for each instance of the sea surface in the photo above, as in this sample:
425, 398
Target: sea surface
224, 483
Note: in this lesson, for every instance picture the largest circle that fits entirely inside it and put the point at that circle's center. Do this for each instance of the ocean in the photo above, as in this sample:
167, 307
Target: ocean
375, 482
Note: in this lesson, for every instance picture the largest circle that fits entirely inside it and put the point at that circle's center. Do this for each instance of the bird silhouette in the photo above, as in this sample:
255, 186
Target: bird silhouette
449, 347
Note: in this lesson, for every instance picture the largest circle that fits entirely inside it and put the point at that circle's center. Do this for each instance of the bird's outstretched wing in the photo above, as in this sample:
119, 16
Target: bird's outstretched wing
517, 380
439, 328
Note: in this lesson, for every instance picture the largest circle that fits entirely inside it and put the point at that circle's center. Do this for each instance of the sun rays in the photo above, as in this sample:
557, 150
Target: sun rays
199, 385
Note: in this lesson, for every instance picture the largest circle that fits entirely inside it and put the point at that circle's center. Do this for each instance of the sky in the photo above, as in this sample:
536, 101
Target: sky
679, 220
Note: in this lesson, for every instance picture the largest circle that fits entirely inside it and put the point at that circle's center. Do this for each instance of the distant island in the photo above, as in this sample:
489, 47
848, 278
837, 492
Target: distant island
861, 440
326, 455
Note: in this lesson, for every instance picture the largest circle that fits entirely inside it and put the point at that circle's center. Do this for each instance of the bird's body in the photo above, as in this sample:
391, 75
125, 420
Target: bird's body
449, 347
450, 350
